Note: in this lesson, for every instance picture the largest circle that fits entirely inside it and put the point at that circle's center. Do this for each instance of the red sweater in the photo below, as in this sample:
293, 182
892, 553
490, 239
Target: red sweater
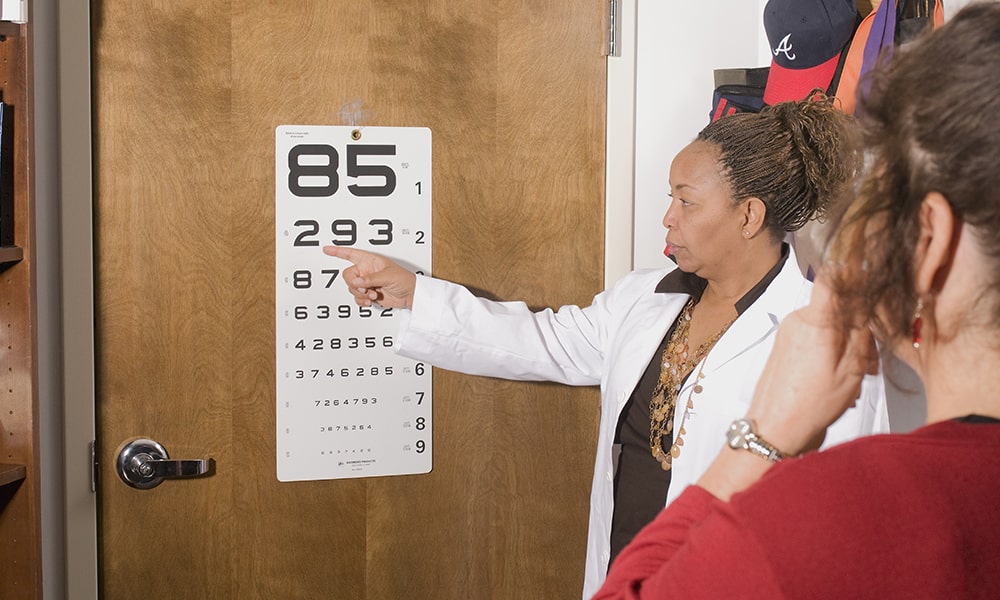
889, 516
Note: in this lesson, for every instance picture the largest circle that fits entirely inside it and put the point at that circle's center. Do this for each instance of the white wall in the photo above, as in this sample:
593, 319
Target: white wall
678, 46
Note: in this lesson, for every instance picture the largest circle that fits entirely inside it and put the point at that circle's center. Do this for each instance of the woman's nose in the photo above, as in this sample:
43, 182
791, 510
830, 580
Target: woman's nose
668, 217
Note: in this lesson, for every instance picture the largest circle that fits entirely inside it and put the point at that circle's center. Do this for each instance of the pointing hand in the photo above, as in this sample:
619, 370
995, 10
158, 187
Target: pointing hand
375, 279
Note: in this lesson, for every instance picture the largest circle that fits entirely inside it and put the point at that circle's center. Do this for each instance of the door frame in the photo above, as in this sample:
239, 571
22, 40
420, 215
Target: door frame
77, 236
619, 160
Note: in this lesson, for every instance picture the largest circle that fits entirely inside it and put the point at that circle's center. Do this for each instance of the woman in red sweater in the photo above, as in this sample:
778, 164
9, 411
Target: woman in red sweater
917, 261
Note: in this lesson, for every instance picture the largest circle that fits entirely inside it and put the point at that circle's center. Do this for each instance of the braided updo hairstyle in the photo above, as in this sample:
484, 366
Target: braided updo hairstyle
796, 157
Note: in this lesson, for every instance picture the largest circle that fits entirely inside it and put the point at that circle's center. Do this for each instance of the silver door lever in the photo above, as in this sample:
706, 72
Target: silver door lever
144, 464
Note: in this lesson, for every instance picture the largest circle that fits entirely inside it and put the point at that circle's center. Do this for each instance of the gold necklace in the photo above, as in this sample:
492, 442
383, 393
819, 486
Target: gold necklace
675, 366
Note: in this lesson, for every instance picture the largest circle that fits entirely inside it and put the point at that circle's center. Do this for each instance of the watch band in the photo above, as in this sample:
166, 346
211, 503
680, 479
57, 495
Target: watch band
742, 435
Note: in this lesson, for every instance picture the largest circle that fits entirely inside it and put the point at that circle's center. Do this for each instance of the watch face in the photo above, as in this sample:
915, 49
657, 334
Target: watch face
736, 436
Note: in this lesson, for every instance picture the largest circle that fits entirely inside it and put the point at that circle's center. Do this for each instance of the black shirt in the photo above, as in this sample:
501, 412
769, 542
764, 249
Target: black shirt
640, 483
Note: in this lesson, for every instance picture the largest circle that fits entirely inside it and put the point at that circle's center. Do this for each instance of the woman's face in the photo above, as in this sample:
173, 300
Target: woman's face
703, 226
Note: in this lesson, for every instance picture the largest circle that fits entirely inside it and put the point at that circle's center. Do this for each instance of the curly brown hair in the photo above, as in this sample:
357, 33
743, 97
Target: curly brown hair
932, 124
797, 157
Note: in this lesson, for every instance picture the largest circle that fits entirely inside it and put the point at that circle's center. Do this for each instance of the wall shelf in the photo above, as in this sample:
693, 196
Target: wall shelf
8, 29
10, 255
11, 473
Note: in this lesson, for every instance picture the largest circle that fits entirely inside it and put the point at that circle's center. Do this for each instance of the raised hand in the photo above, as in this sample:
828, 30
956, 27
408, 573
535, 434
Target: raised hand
812, 376
814, 373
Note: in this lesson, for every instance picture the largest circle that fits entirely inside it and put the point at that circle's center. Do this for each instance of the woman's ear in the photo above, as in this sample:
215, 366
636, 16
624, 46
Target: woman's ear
754, 211
935, 244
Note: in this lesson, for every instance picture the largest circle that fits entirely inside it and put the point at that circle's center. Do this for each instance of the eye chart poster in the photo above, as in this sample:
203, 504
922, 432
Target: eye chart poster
347, 405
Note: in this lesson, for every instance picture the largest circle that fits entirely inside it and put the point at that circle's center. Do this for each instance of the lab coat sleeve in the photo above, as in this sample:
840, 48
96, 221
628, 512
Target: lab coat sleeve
451, 328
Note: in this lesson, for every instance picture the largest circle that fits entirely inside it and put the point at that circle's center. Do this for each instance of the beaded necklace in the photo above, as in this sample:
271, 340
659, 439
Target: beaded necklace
675, 366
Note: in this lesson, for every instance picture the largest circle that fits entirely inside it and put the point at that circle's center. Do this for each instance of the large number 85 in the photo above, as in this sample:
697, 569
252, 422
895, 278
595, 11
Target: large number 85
300, 175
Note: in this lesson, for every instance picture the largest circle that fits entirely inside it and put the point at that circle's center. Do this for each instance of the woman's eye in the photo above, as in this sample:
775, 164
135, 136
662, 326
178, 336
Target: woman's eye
681, 200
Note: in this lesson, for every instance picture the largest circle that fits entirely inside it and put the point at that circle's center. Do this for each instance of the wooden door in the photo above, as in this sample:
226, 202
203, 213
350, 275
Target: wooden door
187, 96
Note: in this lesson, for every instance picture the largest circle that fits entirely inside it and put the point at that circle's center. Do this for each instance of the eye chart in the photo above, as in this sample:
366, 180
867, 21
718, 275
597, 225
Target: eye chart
347, 405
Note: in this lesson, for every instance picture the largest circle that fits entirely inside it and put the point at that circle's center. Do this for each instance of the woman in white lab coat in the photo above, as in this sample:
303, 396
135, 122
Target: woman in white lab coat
677, 351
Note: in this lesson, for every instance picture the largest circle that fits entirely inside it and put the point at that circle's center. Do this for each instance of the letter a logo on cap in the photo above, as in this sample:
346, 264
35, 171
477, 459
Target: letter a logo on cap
785, 46
821, 29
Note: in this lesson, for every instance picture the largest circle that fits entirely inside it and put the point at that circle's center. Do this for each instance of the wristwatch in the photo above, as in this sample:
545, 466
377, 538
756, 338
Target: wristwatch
741, 436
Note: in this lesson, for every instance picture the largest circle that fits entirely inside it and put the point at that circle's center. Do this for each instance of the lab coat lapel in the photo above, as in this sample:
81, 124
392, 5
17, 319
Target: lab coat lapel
643, 342
756, 323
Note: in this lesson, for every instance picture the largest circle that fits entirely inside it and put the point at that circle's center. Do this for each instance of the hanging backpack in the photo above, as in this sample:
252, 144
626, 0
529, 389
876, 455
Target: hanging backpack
738, 91
894, 22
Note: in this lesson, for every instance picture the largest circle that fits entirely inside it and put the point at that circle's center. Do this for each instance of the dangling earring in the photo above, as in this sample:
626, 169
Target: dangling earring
918, 323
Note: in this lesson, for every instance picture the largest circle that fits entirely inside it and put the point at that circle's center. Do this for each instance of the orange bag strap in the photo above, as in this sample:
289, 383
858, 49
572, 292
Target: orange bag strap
846, 93
845, 96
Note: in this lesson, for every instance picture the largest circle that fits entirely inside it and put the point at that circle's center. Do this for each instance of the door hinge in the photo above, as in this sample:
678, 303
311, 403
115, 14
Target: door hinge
614, 27
93, 466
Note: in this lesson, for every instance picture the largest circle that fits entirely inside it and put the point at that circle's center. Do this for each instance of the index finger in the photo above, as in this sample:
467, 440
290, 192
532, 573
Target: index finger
347, 253
822, 296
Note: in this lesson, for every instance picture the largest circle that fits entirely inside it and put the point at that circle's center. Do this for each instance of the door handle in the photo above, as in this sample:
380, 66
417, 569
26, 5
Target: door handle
144, 464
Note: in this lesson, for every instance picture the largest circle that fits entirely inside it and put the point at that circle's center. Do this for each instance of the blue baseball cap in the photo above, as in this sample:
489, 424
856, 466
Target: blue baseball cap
806, 39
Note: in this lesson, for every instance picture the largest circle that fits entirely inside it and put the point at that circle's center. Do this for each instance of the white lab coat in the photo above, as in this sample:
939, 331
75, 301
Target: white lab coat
610, 343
